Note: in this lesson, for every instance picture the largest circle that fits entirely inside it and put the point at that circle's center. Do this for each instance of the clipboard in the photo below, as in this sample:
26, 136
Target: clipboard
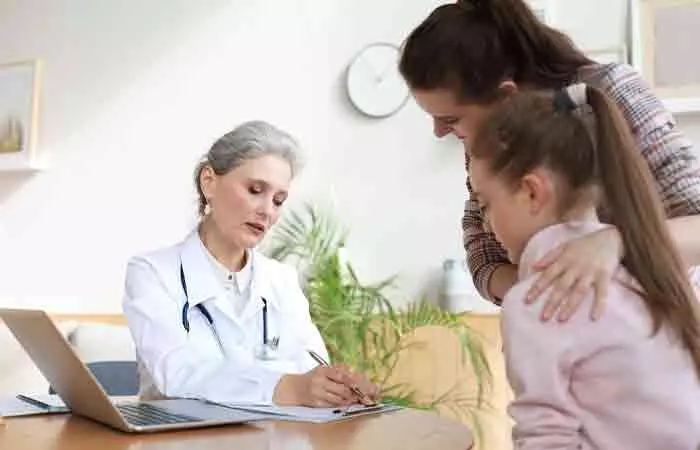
312, 415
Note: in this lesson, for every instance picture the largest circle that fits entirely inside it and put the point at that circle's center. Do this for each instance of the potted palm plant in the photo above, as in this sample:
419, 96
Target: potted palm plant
360, 326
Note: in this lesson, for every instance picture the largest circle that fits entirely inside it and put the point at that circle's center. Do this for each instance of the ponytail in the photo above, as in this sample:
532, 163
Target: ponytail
636, 208
538, 51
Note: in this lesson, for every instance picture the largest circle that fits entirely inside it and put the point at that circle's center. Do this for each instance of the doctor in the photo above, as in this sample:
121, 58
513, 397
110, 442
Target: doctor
214, 319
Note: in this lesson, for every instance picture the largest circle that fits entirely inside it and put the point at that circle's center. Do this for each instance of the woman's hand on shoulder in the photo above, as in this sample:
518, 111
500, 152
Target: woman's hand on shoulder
573, 269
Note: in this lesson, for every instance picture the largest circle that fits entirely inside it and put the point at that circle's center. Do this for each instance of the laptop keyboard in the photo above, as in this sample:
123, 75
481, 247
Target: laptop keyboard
144, 414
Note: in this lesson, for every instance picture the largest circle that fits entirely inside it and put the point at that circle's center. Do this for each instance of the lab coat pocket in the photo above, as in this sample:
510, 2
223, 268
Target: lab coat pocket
288, 351
290, 344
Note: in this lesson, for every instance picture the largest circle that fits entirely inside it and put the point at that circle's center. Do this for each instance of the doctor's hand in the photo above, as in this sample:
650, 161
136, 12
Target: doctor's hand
573, 269
320, 387
369, 390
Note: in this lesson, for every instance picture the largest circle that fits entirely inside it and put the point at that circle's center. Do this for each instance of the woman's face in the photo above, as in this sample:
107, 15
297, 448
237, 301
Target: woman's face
449, 115
247, 201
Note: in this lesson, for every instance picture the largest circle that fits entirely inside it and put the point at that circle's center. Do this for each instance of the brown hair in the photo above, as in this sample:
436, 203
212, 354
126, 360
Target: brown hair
471, 46
592, 147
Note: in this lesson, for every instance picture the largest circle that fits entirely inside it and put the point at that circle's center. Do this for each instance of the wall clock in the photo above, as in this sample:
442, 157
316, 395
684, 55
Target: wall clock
374, 84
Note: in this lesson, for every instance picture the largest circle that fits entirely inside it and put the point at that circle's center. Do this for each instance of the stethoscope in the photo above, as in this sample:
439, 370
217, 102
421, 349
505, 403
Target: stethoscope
265, 351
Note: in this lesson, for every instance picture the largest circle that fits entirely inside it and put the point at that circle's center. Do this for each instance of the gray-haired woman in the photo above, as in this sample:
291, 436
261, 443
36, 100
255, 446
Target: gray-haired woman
212, 318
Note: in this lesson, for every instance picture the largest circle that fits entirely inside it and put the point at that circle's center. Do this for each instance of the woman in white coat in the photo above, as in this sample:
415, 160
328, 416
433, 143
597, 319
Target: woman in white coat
214, 319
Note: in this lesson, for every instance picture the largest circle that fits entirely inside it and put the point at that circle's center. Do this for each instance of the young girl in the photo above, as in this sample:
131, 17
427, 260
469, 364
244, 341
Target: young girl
542, 165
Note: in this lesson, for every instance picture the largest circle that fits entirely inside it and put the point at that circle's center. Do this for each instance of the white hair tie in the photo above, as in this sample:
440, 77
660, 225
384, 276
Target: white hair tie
577, 93
570, 97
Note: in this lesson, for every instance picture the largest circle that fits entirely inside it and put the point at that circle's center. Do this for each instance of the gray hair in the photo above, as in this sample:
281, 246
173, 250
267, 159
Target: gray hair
250, 140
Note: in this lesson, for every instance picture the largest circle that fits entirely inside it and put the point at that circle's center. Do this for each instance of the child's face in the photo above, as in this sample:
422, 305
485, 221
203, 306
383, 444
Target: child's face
513, 211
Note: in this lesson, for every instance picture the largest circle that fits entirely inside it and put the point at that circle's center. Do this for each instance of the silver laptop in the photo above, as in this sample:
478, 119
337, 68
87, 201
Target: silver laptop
79, 389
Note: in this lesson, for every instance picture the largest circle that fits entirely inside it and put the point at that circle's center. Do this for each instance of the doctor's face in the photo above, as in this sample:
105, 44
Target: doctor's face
247, 201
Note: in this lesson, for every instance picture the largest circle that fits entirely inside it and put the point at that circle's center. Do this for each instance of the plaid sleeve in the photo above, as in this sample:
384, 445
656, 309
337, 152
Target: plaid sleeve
484, 252
668, 152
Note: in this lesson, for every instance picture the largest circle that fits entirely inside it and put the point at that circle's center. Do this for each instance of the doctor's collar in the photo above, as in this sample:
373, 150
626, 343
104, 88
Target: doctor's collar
240, 280
202, 281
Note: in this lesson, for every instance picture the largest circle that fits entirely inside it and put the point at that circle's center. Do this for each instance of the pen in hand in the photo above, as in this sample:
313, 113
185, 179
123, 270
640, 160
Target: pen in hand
361, 395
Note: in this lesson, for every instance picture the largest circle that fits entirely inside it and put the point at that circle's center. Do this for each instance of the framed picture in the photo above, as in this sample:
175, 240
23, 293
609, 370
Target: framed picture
19, 104
665, 34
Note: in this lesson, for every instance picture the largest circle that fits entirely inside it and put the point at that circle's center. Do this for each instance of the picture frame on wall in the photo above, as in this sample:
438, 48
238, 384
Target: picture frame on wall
19, 111
664, 40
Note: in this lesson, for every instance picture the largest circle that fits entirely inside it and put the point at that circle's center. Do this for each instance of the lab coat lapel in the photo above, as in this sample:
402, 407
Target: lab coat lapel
202, 284
259, 288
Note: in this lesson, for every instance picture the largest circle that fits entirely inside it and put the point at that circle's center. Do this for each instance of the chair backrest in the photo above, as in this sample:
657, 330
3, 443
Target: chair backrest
116, 377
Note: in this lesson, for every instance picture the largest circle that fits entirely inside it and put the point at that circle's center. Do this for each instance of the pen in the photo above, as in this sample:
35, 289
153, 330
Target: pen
34, 402
322, 362
264, 312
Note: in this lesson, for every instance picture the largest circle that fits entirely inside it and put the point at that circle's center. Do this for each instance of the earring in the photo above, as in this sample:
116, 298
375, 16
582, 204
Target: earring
207, 209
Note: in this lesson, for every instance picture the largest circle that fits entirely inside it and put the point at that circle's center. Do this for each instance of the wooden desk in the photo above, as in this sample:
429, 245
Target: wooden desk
404, 430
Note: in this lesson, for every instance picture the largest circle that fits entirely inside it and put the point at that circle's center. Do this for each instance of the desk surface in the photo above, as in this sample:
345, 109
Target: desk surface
404, 430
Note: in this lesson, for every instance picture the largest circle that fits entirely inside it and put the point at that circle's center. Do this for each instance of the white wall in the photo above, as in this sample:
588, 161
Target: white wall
134, 91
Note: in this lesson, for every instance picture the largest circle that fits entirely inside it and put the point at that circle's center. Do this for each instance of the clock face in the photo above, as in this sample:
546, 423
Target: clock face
375, 85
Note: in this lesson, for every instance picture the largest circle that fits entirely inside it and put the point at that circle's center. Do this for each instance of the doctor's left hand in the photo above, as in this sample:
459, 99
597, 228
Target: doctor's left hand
319, 387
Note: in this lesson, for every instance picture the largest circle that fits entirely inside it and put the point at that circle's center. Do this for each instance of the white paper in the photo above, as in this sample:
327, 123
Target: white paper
13, 406
306, 414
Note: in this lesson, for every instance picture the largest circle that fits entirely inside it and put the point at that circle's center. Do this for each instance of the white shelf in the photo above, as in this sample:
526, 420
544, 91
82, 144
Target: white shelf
22, 169
23, 166
683, 106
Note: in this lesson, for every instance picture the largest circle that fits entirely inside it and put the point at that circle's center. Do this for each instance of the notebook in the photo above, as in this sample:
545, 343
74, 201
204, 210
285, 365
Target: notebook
313, 415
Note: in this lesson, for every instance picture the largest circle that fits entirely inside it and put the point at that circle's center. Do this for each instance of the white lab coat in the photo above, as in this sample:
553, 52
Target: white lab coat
177, 363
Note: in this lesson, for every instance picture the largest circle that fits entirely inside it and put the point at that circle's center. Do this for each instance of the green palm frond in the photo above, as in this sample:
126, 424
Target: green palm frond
311, 236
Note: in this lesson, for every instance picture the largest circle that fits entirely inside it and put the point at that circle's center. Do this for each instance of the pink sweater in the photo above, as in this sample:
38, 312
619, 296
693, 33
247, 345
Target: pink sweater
595, 385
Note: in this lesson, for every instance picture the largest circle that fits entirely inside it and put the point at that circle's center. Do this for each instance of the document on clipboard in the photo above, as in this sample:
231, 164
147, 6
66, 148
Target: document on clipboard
313, 415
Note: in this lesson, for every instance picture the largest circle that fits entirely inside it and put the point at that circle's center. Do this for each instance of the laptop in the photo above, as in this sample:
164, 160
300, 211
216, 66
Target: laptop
83, 394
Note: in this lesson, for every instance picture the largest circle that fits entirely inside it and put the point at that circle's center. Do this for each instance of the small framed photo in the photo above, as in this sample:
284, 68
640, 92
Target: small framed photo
19, 110
665, 35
